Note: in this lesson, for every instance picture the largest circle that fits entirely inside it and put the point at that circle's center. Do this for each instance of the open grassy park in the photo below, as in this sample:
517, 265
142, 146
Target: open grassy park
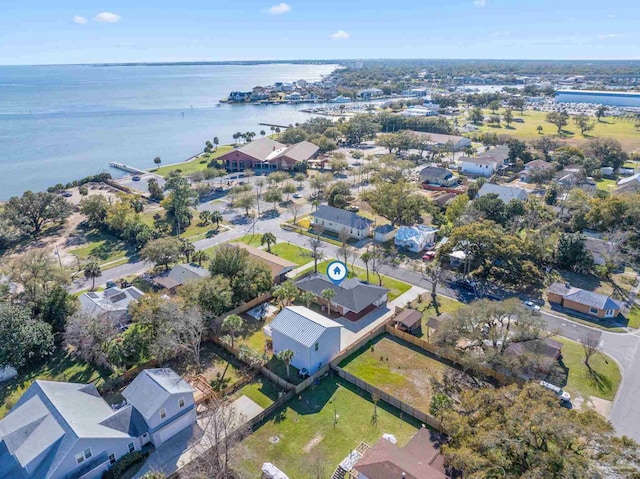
197, 164
314, 432
623, 130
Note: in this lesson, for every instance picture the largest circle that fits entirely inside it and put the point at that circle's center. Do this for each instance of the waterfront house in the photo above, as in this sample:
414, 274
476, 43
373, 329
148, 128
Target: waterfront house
337, 220
239, 96
583, 301
313, 338
266, 154
505, 193
369, 94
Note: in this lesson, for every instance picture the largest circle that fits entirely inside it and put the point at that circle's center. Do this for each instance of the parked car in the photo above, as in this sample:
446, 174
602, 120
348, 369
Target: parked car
466, 284
428, 256
353, 208
519, 120
136, 178
297, 196
531, 306
111, 284
561, 393
67, 194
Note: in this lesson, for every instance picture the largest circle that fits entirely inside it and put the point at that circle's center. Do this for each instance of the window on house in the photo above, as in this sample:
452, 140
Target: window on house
181, 402
163, 413
132, 447
87, 453
593, 310
80, 458
316, 346
112, 458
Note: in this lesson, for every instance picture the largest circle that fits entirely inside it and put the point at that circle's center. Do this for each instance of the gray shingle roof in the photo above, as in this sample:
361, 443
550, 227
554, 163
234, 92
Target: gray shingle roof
183, 273
300, 151
582, 296
302, 325
505, 193
345, 218
152, 387
353, 294
434, 173
260, 149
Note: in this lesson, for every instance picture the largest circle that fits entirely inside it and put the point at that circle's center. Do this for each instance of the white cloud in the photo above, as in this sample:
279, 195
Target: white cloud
107, 17
607, 36
79, 20
339, 35
279, 9
479, 3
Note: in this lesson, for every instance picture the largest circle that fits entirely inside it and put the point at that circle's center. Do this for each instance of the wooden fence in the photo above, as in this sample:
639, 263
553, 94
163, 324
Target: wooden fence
389, 399
243, 308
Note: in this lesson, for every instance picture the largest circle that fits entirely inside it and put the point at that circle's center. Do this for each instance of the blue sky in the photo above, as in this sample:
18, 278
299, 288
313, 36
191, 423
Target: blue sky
85, 31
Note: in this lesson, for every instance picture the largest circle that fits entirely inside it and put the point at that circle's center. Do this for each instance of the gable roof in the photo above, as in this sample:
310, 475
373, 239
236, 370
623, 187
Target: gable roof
505, 193
276, 264
499, 153
408, 317
414, 233
260, 149
300, 151
352, 294
441, 138
630, 183
302, 325
184, 273
435, 173
582, 296
348, 219
109, 300
537, 164
152, 387
479, 161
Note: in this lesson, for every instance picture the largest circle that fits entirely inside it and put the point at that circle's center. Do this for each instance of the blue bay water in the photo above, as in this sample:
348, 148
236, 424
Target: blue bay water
59, 123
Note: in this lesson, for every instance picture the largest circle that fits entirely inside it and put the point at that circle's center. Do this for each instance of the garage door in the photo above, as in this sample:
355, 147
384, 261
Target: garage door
175, 427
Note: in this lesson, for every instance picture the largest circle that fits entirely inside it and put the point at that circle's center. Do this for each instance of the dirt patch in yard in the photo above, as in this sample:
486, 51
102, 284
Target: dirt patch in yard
313, 443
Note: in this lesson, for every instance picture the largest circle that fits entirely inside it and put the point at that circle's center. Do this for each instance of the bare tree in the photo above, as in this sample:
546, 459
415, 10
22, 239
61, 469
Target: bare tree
344, 236
316, 246
591, 345
436, 274
91, 336
182, 330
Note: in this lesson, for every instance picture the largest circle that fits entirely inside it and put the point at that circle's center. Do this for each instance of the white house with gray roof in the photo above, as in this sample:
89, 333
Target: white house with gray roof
505, 193
313, 338
60, 430
337, 220
113, 302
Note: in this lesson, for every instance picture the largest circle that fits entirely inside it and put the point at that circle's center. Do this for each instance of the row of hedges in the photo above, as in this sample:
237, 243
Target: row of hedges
99, 178
123, 464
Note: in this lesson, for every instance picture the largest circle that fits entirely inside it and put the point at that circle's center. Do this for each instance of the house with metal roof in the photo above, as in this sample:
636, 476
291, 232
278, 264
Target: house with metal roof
337, 220
583, 301
352, 299
313, 338
415, 238
59, 430
630, 184
112, 302
505, 193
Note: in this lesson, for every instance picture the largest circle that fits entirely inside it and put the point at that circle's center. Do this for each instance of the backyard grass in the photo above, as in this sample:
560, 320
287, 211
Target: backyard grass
197, 164
291, 252
602, 382
103, 248
396, 287
304, 442
606, 185
261, 391
634, 317
61, 366
397, 368
445, 305
251, 240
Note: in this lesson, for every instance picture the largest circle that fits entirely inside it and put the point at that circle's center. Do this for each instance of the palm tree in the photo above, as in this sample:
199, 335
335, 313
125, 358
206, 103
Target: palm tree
286, 293
263, 133
328, 294
307, 298
269, 239
278, 131
200, 257
233, 323
205, 217
217, 217
92, 271
273, 128
188, 249
157, 161
286, 356
216, 141
366, 257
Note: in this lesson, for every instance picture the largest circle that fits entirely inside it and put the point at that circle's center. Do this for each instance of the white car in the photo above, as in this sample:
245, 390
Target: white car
531, 306
561, 393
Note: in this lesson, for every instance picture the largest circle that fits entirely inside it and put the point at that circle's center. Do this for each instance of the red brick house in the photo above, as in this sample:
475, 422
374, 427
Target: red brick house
267, 154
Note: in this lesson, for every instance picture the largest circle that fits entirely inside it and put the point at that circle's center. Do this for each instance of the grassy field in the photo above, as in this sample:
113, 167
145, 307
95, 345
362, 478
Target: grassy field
606, 185
396, 287
303, 440
602, 382
261, 391
397, 368
59, 367
195, 231
291, 252
622, 130
197, 164
103, 248
445, 305
634, 317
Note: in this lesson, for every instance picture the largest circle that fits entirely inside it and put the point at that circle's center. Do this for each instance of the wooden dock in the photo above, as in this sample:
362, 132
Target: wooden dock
127, 168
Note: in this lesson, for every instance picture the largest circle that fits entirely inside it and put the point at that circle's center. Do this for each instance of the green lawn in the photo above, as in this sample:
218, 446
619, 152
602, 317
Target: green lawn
302, 436
59, 367
198, 164
606, 185
445, 305
396, 287
261, 391
291, 252
604, 380
251, 240
634, 317
397, 368
195, 231
103, 248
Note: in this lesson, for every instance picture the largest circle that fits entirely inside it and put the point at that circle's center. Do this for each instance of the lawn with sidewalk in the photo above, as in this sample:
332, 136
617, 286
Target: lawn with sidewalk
261, 391
396, 287
316, 430
104, 248
197, 164
291, 252
398, 368
602, 381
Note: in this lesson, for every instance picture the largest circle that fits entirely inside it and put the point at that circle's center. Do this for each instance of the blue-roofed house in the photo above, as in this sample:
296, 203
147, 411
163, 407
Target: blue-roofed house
583, 301
59, 430
337, 220
313, 338
415, 238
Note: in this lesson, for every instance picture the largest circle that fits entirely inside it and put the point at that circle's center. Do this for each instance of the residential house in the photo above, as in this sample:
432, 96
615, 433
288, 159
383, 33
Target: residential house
113, 302
267, 154
505, 193
426, 110
479, 166
532, 166
337, 220
293, 96
603, 251
383, 233
7, 372
582, 301
547, 348
608, 171
352, 299
182, 274
239, 96
420, 458
440, 140
630, 184
59, 430
164, 400
278, 266
314, 339
415, 238
408, 320
369, 94
433, 175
